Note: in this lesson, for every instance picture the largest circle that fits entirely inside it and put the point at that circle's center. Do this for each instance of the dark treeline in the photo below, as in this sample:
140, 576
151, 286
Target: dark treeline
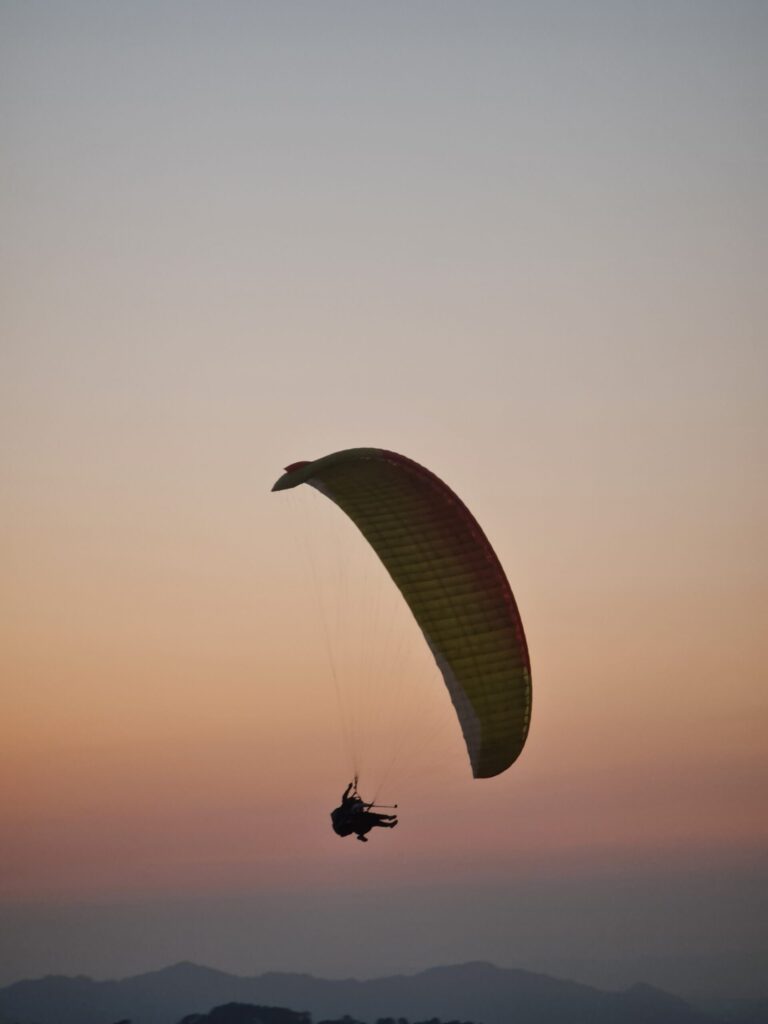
245, 1013
392, 1020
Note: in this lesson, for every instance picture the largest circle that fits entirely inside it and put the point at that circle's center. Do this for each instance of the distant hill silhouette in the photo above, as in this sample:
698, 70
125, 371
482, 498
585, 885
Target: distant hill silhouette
476, 992
245, 1013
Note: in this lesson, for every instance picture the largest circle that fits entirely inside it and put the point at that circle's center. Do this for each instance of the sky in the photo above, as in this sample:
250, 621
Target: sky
523, 243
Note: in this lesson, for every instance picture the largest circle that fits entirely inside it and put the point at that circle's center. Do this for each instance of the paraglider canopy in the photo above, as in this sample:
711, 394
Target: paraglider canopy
453, 583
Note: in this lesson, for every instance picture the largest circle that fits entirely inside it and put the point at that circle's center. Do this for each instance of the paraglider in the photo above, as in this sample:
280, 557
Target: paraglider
354, 815
452, 581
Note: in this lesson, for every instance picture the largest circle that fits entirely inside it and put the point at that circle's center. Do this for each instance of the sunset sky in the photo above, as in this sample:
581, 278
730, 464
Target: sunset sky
524, 243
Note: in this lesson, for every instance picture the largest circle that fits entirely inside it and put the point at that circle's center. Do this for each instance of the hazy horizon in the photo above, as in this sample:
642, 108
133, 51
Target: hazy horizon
601, 931
522, 243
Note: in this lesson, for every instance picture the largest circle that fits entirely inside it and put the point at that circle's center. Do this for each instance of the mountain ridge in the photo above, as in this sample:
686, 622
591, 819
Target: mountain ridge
477, 990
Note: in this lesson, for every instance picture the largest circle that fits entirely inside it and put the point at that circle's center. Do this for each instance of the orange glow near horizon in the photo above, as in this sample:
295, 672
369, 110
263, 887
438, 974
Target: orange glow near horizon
177, 729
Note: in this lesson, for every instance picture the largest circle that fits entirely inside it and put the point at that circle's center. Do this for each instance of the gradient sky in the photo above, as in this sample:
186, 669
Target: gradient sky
523, 243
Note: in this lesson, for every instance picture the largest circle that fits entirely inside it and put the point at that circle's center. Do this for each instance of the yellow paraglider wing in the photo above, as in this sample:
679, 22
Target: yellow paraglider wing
451, 579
